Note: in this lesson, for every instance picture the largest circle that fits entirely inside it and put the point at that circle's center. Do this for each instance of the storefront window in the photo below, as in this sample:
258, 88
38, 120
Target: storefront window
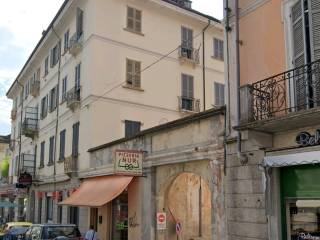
120, 217
304, 219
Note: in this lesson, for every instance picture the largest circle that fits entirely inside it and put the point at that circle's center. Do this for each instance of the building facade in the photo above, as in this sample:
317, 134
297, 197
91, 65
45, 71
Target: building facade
272, 191
178, 193
101, 71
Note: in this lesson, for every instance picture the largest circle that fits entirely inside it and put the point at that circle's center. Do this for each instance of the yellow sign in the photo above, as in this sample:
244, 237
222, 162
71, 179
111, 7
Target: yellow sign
128, 162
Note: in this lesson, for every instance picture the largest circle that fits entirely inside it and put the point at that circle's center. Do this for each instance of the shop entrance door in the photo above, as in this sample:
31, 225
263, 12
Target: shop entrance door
300, 202
120, 217
94, 218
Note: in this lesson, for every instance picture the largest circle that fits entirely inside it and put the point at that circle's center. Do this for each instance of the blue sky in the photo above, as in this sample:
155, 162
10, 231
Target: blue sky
21, 25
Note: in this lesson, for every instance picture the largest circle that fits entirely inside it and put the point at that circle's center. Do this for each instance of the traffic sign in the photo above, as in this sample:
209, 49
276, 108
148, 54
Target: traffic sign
161, 220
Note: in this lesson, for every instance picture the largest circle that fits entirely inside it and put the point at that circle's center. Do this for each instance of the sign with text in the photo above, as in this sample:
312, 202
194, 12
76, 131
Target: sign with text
305, 139
161, 221
128, 162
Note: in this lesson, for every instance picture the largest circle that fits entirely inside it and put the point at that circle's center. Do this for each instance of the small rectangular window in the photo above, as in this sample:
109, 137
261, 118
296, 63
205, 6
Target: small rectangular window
134, 19
62, 145
53, 99
66, 41
42, 152
132, 128
219, 94
46, 66
79, 23
187, 93
218, 49
51, 150
77, 76
55, 55
133, 78
49, 206
44, 107
75, 139
64, 89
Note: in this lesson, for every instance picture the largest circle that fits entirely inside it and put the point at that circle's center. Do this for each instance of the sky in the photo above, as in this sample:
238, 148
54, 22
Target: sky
21, 26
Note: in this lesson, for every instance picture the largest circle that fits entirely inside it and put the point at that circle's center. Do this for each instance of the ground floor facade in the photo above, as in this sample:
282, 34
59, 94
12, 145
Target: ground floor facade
275, 193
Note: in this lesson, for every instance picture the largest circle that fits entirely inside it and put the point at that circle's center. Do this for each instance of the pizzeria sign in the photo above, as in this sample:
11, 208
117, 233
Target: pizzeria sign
128, 162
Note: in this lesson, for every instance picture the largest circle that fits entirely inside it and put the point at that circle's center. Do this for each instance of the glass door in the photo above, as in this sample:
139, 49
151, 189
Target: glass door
120, 217
303, 219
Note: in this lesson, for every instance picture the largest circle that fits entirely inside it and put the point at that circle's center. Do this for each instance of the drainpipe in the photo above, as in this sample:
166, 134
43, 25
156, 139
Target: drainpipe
204, 64
242, 157
57, 116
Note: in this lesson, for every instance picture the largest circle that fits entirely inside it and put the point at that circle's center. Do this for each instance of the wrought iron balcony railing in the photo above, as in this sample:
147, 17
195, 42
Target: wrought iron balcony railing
35, 88
30, 123
75, 44
291, 91
189, 54
73, 98
189, 104
27, 164
70, 165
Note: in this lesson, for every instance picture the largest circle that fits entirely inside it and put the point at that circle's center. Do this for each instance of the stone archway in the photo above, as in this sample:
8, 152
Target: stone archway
182, 202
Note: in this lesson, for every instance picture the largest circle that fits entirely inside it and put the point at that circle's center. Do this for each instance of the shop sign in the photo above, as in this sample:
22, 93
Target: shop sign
305, 139
128, 162
25, 179
307, 236
161, 221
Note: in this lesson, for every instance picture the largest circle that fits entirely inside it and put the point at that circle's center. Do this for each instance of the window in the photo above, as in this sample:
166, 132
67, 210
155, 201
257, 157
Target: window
77, 76
66, 41
218, 49
21, 98
305, 21
79, 23
55, 55
37, 77
64, 89
186, 42
219, 94
42, 152
62, 144
134, 19
51, 150
75, 139
133, 73
131, 128
49, 207
187, 99
74, 215
46, 66
44, 107
53, 99
26, 90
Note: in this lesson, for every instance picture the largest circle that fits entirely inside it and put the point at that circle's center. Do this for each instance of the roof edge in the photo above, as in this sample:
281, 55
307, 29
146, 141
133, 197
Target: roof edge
179, 122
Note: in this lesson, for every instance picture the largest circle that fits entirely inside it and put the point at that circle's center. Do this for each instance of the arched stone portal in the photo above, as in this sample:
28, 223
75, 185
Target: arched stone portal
188, 200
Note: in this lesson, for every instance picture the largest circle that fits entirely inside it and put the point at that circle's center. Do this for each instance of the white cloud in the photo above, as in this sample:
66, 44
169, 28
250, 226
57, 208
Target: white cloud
211, 7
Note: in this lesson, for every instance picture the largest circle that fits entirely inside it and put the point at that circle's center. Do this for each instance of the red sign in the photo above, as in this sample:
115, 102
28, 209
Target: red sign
161, 221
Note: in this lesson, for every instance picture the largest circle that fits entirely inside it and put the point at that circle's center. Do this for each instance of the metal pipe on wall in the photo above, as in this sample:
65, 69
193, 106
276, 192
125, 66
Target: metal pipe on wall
204, 65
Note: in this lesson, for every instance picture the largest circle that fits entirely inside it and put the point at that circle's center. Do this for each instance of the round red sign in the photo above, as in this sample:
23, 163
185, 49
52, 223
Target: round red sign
161, 218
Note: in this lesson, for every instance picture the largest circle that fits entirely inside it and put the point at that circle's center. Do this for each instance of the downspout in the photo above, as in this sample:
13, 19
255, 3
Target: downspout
57, 116
242, 157
204, 65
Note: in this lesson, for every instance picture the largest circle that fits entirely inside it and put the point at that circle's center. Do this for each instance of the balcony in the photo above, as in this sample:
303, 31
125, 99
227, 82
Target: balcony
73, 98
187, 104
30, 123
76, 44
70, 165
14, 114
35, 88
282, 102
189, 55
27, 164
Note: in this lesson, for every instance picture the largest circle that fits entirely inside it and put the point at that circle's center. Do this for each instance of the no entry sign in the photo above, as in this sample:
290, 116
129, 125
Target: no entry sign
161, 221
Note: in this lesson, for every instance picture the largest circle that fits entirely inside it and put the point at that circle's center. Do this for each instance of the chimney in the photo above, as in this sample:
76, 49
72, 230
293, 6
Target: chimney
183, 3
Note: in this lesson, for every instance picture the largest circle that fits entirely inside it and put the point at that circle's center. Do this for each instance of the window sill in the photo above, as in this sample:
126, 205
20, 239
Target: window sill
50, 164
133, 88
218, 59
133, 31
